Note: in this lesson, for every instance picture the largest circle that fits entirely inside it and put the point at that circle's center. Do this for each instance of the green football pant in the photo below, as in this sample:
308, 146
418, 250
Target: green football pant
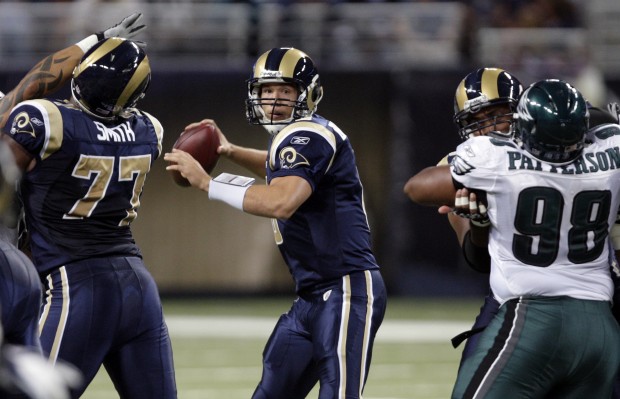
544, 347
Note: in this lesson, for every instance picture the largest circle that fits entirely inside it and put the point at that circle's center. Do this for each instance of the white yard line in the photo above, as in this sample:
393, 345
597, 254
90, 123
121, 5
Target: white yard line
260, 327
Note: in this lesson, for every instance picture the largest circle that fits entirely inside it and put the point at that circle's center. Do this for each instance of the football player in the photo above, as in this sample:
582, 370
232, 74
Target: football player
484, 103
20, 295
315, 200
550, 223
84, 163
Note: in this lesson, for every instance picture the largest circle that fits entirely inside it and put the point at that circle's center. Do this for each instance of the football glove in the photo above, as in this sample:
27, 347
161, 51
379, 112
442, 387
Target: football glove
469, 208
127, 28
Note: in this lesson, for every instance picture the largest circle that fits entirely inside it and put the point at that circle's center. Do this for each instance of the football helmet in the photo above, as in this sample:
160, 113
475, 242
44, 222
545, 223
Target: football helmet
111, 77
552, 120
481, 89
283, 65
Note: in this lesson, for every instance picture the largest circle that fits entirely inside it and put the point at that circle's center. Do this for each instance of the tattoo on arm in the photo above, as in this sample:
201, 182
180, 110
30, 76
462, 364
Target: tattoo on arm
46, 77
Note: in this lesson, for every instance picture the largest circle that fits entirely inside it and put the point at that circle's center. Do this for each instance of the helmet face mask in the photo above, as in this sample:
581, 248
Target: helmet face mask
480, 91
495, 119
551, 121
111, 77
283, 66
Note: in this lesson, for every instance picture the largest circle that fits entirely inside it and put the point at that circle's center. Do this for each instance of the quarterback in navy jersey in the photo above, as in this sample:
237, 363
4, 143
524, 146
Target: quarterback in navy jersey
332, 221
85, 162
315, 200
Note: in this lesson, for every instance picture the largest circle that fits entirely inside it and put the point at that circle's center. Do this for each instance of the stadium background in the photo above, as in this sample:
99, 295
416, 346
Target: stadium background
390, 91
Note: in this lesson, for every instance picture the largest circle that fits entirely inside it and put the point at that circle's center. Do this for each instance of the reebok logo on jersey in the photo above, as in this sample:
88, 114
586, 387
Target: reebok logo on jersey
326, 295
290, 158
37, 121
300, 140
460, 166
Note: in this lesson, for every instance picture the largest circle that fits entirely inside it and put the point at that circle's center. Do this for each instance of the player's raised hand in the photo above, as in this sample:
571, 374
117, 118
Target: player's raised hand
127, 28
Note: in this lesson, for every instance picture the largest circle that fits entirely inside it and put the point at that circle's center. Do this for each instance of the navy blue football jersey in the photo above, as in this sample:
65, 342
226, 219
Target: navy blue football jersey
85, 189
328, 236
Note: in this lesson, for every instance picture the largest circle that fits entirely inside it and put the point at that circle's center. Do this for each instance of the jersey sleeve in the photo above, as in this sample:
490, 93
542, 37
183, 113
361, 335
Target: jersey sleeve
37, 126
474, 165
159, 131
304, 149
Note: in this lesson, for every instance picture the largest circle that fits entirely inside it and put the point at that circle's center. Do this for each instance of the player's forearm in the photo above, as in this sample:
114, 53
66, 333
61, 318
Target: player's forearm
47, 76
250, 158
432, 186
279, 200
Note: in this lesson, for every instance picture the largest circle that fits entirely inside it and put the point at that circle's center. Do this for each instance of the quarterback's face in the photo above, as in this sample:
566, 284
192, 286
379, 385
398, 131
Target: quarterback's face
492, 119
284, 96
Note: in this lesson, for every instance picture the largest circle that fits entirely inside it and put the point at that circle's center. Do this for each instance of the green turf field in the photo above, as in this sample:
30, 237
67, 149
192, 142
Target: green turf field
218, 343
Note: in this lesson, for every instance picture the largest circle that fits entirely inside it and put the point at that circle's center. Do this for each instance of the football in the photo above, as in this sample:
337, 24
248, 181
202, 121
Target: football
200, 142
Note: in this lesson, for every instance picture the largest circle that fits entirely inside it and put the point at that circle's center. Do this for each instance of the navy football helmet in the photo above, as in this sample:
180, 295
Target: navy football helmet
283, 65
552, 120
481, 89
111, 77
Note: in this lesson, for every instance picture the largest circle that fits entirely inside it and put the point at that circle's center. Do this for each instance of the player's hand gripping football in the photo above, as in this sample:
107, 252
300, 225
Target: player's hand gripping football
467, 206
225, 147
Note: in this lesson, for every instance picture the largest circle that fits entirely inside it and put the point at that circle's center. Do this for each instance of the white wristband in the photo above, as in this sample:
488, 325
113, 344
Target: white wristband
230, 189
86, 43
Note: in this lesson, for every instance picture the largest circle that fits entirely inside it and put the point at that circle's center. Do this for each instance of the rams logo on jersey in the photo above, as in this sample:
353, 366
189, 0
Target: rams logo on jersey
290, 158
23, 124
460, 166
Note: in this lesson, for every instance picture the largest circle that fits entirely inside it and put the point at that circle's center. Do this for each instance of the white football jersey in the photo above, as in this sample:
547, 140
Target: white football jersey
549, 223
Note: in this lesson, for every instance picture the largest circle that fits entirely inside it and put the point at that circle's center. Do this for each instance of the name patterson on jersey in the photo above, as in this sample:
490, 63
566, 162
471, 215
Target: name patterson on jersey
589, 162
